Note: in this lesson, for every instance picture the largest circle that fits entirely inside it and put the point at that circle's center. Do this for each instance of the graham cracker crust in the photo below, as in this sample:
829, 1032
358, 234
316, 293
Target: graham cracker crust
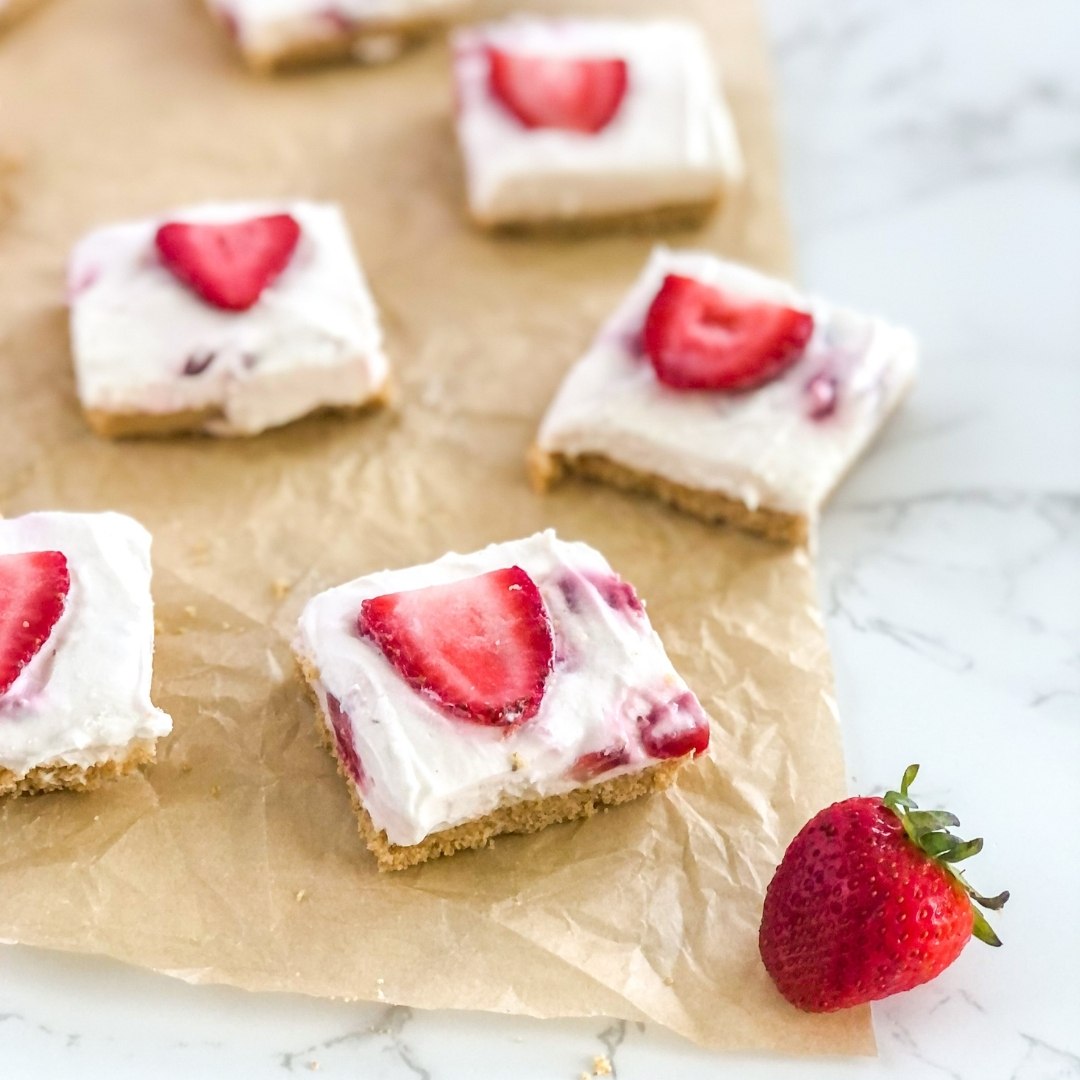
375, 42
652, 219
526, 816
548, 469
134, 425
66, 777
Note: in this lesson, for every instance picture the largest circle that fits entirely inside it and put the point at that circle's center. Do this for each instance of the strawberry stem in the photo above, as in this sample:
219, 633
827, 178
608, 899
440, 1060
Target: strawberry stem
929, 831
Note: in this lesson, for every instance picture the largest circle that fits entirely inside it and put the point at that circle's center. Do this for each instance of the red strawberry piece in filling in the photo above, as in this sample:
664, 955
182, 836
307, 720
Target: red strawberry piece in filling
822, 393
699, 337
589, 766
343, 737
197, 363
229, 265
619, 595
231, 21
82, 281
567, 93
337, 18
34, 586
675, 728
571, 585
480, 648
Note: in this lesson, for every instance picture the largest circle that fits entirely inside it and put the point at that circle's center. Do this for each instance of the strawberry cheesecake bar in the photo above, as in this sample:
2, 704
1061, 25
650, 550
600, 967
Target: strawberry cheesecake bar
225, 318
76, 651
726, 393
280, 33
497, 692
568, 121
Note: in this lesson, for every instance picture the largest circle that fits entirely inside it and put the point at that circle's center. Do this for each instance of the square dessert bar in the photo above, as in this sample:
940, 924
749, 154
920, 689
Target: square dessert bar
281, 33
76, 651
726, 393
568, 121
497, 692
226, 319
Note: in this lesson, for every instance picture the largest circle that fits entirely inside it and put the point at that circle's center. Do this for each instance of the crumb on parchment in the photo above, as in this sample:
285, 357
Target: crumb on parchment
280, 588
601, 1065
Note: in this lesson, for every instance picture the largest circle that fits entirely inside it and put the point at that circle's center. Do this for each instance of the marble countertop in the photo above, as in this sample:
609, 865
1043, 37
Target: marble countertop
933, 170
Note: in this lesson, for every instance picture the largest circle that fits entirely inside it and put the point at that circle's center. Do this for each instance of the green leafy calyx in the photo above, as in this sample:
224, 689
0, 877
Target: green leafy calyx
929, 830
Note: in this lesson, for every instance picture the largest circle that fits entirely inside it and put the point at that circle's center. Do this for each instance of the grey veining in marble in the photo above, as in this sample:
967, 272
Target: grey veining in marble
933, 158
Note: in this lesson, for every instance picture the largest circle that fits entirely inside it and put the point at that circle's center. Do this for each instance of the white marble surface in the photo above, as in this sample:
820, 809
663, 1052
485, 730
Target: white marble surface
933, 154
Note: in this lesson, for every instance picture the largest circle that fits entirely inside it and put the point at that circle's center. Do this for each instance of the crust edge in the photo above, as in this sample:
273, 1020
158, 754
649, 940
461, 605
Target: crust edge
64, 776
136, 425
512, 818
547, 469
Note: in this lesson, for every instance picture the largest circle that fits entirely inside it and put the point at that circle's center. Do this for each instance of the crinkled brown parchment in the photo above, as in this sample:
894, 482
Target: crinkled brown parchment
123, 107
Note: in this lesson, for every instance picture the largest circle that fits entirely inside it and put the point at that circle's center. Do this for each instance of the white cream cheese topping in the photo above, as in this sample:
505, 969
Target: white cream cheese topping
423, 770
85, 697
672, 141
143, 342
763, 447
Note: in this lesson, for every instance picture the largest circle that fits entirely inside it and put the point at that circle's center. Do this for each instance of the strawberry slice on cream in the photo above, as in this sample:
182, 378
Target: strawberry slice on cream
701, 338
580, 94
229, 264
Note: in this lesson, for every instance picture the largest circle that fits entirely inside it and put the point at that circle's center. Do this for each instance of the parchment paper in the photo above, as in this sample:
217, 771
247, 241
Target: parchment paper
236, 858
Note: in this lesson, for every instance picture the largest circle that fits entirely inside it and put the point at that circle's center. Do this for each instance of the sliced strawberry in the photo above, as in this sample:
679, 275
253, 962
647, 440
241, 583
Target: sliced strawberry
675, 728
229, 265
573, 94
33, 591
699, 338
481, 647
589, 766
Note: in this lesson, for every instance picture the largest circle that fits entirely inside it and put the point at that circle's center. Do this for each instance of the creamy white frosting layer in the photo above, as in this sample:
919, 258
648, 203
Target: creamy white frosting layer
424, 770
85, 697
143, 342
672, 141
271, 27
763, 447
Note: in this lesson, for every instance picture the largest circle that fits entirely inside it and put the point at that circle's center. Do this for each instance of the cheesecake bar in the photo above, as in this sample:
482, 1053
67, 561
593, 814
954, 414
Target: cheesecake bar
496, 692
572, 122
726, 393
225, 318
76, 651
272, 34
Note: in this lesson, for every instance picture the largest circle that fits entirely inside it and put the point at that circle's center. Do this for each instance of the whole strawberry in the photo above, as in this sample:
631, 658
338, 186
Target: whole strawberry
868, 902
